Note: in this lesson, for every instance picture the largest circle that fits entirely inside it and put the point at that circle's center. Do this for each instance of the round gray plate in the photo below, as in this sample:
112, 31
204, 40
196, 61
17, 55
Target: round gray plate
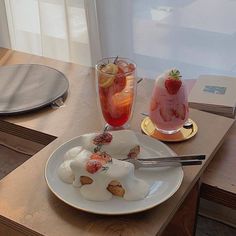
28, 87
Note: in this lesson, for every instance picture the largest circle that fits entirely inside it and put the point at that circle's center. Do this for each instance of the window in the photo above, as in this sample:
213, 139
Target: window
52, 28
196, 36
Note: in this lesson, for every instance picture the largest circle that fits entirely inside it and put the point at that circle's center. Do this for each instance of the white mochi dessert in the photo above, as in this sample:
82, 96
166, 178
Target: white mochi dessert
97, 175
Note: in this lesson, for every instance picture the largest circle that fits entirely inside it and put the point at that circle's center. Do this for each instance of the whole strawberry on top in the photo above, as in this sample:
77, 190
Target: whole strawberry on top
173, 82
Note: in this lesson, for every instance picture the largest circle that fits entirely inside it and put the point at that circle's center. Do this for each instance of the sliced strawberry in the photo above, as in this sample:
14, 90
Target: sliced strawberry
180, 112
133, 153
103, 138
154, 105
103, 157
123, 65
131, 67
173, 85
98, 158
176, 114
166, 113
120, 81
93, 166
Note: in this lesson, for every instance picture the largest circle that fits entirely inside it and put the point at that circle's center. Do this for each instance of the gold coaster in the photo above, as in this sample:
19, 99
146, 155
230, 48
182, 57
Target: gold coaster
185, 133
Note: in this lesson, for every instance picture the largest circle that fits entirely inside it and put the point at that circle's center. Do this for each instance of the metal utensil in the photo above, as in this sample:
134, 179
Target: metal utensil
188, 124
189, 157
152, 164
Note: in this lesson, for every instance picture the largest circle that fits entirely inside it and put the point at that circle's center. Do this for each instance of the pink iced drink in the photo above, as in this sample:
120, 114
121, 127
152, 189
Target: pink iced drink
168, 111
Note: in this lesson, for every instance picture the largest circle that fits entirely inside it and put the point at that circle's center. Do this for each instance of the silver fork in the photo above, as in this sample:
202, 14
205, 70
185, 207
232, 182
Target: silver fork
181, 160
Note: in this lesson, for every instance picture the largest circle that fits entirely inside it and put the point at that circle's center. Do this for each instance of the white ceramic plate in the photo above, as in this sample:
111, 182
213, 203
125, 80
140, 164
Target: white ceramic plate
164, 181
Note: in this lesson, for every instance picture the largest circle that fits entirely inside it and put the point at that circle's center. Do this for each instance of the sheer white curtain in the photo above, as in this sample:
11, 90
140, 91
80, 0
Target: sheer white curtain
52, 28
197, 36
4, 33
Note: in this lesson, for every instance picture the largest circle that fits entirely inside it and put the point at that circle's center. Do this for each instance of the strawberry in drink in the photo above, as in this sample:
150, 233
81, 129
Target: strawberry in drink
169, 103
116, 89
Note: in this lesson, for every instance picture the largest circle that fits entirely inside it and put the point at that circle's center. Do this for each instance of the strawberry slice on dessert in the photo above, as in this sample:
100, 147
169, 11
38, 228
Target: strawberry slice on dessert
173, 82
93, 166
102, 157
103, 138
97, 162
98, 158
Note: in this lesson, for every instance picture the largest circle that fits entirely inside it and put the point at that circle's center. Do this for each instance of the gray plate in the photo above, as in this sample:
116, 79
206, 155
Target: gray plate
28, 87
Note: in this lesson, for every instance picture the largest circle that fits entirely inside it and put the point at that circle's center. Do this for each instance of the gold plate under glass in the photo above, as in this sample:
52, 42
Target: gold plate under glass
183, 134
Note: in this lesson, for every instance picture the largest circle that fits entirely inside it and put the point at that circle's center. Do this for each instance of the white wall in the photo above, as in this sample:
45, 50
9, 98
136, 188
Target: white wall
4, 34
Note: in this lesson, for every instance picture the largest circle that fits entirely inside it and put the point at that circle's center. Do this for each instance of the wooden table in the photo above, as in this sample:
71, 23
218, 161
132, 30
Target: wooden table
218, 186
27, 206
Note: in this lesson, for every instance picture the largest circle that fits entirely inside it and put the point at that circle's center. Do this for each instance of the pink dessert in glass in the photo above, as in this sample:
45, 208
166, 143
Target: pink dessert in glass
169, 103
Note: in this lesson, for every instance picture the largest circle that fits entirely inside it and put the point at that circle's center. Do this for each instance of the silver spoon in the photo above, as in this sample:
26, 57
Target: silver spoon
188, 124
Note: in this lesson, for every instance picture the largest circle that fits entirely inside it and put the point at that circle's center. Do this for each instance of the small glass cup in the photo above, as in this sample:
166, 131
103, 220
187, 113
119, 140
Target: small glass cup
116, 90
169, 103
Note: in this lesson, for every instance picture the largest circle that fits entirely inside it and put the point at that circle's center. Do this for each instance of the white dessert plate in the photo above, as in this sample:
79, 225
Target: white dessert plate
163, 181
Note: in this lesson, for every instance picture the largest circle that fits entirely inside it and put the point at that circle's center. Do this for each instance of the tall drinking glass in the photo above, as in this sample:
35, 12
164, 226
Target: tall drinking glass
116, 89
169, 104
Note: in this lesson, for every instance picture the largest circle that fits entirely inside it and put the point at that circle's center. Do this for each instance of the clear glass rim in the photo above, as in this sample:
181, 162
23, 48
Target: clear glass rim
100, 62
174, 131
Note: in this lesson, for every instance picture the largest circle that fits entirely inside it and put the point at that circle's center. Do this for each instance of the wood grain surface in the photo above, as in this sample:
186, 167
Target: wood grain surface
221, 173
17, 145
80, 101
219, 179
35, 208
218, 195
217, 212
